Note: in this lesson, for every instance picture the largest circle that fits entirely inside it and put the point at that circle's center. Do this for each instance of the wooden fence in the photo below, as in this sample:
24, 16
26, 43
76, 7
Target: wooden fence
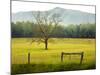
78, 53
62, 56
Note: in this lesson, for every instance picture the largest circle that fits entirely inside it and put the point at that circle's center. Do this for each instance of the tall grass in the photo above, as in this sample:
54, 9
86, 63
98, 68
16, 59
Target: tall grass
39, 68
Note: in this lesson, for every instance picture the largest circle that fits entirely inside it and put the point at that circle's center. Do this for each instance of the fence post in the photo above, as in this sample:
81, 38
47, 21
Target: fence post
62, 57
81, 60
70, 57
29, 58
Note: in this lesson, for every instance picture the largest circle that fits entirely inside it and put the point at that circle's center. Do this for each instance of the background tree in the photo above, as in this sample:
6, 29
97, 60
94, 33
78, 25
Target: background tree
29, 29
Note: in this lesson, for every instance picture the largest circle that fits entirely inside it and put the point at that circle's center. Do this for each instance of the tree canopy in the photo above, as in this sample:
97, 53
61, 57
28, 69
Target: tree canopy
29, 29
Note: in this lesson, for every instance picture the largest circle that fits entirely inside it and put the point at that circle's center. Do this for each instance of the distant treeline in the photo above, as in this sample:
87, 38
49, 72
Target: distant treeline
29, 29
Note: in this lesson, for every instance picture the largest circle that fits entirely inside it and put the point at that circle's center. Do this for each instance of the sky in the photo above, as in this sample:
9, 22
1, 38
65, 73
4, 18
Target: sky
18, 6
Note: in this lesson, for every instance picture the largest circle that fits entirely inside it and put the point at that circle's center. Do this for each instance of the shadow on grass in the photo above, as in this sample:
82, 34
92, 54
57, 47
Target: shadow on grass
40, 68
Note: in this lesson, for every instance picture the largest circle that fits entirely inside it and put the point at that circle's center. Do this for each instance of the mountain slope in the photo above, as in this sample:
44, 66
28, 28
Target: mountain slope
69, 16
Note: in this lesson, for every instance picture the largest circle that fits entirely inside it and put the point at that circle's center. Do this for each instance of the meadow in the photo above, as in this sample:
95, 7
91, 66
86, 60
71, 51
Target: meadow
49, 60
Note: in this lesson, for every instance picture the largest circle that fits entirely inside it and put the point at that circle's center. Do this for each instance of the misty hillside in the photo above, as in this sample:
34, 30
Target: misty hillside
69, 16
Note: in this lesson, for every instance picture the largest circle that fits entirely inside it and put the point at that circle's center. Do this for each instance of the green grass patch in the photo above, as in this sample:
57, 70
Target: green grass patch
40, 68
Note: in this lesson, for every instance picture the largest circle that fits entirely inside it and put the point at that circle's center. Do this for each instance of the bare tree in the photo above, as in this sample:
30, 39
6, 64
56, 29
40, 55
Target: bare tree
46, 24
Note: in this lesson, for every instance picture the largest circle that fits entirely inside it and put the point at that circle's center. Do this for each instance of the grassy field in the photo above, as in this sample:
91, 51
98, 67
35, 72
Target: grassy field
49, 60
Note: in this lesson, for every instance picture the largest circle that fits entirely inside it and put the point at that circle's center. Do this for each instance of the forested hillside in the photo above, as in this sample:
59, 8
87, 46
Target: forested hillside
29, 29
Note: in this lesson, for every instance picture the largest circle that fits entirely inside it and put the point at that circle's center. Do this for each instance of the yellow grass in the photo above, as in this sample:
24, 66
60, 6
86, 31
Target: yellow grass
21, 47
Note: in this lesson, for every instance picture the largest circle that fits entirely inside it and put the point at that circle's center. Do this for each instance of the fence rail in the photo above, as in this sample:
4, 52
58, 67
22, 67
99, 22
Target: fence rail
78, 53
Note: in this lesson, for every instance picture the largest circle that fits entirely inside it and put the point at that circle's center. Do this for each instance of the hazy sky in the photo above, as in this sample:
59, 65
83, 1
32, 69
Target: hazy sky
31, 6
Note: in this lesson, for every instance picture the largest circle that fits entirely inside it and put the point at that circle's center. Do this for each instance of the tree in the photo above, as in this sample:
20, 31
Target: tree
46, 24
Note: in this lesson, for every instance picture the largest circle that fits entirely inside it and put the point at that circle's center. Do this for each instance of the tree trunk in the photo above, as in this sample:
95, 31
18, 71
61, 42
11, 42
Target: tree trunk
46, 44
